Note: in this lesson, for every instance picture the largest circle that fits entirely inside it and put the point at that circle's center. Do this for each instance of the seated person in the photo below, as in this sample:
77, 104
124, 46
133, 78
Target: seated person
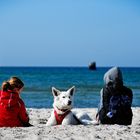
12, 108
116, 100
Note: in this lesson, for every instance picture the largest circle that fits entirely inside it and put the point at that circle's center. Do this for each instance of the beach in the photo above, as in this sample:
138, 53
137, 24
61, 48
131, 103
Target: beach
39, 117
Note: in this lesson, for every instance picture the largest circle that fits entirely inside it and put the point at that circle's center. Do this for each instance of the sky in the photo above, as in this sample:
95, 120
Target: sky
70, 32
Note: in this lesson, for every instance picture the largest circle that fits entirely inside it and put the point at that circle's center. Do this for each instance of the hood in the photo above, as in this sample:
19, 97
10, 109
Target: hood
113, 77
8, 99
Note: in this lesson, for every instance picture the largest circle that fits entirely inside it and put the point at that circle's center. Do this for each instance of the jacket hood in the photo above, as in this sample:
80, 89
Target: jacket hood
8, 98
113, 77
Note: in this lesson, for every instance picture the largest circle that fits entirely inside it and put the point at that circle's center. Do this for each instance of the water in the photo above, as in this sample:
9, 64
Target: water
39, 80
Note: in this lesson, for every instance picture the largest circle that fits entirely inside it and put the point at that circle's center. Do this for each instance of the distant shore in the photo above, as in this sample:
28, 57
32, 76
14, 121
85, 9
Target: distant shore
39, 117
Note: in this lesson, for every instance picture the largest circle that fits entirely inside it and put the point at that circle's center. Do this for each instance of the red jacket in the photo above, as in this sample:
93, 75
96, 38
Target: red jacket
12, 110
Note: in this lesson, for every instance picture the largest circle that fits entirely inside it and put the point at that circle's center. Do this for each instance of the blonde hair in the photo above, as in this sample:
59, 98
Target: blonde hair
12, 83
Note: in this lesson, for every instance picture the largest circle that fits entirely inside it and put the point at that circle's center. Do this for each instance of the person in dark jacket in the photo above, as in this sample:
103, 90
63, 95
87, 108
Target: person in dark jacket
12, 108
115, 94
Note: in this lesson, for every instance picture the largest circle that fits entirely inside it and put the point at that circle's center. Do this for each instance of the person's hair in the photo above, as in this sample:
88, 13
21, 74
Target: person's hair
12, 83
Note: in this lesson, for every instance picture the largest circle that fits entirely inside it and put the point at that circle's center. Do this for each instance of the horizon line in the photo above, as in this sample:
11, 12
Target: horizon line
74, 66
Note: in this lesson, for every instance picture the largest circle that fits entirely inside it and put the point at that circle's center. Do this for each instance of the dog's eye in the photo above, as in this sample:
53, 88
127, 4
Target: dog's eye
63, 97
69, 97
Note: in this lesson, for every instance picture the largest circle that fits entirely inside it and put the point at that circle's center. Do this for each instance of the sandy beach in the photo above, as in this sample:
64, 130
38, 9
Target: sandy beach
39, 117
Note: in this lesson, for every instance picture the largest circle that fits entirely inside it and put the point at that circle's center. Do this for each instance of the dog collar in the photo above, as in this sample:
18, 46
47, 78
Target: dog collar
63, 110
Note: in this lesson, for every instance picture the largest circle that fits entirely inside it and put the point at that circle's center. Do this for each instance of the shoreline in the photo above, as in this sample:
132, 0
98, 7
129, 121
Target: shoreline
39, 117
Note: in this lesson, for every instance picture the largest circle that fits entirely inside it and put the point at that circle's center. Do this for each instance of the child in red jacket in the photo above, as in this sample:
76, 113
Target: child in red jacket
12, 108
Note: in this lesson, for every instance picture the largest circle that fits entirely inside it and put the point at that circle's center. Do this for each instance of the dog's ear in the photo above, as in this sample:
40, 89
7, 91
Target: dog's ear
72, 90
55, 91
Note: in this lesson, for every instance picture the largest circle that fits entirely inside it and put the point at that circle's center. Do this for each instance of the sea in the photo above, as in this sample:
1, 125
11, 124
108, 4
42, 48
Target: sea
88, 83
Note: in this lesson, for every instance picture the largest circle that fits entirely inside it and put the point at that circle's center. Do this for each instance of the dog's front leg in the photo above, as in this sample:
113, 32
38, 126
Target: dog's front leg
52, 120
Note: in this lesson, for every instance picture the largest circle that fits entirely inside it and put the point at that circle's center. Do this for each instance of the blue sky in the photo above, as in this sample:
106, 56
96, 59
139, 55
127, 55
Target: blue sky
69, 32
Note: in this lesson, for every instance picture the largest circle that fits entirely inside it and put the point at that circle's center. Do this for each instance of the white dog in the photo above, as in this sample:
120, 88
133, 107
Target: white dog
62, 114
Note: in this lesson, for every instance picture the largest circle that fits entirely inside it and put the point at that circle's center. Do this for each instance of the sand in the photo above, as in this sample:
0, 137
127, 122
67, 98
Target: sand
38, 117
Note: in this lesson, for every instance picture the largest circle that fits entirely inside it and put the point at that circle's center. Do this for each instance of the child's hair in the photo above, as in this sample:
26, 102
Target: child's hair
12, 83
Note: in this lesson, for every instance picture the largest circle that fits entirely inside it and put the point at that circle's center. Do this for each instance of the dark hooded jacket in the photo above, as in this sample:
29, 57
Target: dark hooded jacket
12, 110
113, 85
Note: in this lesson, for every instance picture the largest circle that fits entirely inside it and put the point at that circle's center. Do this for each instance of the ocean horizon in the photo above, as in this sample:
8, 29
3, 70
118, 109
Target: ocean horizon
38, 81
